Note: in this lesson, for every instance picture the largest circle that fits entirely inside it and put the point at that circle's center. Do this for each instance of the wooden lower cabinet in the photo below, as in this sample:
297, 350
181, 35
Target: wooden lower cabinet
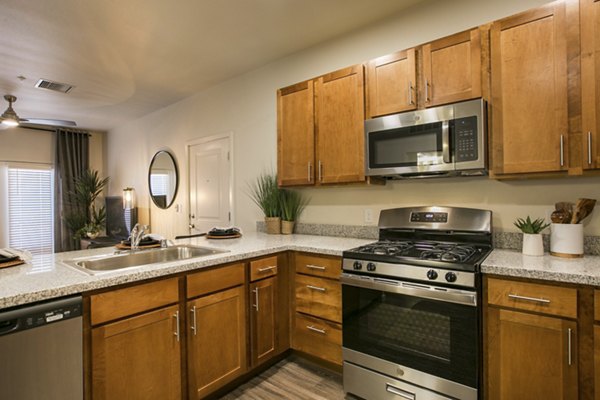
216, 340
138, 357
263, 320
318, 337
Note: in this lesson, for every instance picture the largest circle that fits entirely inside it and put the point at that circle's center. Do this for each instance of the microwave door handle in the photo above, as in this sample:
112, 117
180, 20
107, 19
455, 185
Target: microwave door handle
446, 142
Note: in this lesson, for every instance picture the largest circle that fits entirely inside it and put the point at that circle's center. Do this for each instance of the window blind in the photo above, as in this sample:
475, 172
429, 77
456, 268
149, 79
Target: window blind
30, 209
159, 184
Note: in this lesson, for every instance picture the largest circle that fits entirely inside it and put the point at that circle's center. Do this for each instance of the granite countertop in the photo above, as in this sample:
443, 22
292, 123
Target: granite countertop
47, 277
585, 271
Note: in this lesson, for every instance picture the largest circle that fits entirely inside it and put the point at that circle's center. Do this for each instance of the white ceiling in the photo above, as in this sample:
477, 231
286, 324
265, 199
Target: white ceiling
127, 58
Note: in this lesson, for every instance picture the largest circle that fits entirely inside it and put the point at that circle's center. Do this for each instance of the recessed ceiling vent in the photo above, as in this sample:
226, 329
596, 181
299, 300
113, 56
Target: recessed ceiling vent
56, 86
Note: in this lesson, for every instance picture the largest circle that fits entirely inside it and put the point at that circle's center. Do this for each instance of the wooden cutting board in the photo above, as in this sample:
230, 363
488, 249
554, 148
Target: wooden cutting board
11, 263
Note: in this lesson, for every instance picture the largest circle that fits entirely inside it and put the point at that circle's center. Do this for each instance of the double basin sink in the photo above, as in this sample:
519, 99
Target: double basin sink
115, 262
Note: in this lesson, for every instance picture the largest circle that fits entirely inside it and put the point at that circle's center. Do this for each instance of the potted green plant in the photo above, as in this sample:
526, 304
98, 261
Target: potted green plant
292, 205
264, 192
85, 219
532, 237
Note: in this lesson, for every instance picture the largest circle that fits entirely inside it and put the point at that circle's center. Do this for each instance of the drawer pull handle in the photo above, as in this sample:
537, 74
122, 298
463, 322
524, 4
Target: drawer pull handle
315, 267
399, 392
312, 328
534, 299
267, 268
320, 289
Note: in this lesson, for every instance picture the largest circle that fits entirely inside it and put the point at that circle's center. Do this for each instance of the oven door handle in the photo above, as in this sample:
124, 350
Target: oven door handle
464, 297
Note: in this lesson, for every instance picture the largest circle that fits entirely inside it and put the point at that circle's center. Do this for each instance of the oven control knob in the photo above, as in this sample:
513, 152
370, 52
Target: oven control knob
371, 267
451, 277
432, 274
357, 265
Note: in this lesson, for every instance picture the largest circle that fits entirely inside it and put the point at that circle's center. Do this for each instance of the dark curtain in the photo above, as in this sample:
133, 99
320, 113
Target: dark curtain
72, 159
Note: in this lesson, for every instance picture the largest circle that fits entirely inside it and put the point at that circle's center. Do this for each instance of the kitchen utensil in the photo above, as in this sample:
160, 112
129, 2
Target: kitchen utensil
583, 208
566, 210
559, 217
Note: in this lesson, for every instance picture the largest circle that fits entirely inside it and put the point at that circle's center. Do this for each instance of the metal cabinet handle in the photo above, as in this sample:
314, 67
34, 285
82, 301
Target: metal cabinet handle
426, 90
569, 331
320, 171
267, 268
410, 99
315, 267
589, 148
193, 311
320, 289
255, 291
176, 333
534, 299
312, 328
562, 150
309, 172
399, 392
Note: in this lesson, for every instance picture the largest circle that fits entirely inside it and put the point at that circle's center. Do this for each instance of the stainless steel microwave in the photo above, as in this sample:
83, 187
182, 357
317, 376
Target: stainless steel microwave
447, 140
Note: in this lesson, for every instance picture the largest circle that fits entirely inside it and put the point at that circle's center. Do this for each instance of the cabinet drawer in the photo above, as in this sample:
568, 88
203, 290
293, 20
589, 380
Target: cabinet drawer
263, 268
132, 300
214, 280
319, 297
318, 337
319, 266
533, 297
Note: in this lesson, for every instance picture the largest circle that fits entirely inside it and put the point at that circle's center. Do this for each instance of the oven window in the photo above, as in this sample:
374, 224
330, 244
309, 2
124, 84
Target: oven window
436, 337
409, 146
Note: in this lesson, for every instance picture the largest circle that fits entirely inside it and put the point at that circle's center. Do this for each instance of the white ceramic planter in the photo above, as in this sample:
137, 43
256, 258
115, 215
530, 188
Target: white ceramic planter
533, 244
566, 240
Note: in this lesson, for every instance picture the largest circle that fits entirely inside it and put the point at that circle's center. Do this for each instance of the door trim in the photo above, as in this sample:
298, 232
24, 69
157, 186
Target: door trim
205, 139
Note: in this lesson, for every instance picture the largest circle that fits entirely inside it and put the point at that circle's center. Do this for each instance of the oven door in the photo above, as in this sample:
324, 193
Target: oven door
424, 328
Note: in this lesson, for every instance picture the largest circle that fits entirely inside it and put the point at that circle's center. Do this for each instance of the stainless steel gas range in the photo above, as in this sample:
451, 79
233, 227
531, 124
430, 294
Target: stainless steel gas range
411, 315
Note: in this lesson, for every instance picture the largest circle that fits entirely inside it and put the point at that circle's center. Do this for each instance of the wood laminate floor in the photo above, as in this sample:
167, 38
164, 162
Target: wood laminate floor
291, 379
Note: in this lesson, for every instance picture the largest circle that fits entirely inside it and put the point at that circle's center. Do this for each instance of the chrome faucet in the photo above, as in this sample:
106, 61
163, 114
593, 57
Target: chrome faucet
137, 233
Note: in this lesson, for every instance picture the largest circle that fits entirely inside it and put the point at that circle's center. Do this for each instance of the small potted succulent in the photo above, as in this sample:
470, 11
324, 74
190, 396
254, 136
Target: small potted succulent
532, 236
292, 205
266, 195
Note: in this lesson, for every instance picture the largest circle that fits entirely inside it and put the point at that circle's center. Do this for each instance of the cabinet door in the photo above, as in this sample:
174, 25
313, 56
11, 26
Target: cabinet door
296, 135
340, 126
138, 358
263, 297
452, 69
590, 82
530, 356
529, 91
391, 84
216, 340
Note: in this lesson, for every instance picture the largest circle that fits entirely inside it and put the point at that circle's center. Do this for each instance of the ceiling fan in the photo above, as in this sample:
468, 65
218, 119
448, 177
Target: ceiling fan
10, 118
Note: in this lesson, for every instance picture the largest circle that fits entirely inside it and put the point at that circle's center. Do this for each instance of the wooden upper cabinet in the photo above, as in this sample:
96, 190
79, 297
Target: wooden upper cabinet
296, 135
452, 69
340, 126
529, 91
590, 82
391, 84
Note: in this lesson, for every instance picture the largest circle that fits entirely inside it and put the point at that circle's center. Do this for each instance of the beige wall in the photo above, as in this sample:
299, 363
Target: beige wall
246, 106
22, 145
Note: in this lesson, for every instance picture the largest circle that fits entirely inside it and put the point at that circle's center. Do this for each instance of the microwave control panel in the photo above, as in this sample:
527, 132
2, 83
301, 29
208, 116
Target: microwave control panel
465, 139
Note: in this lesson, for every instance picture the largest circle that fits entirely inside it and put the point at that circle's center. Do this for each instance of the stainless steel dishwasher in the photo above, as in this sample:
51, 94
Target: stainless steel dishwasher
41, 351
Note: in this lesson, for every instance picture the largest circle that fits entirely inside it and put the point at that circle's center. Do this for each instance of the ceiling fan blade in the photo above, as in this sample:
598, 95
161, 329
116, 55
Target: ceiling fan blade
44, 121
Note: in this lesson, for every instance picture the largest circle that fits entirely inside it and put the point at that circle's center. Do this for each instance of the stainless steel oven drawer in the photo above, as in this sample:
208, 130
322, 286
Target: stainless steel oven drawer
371, 385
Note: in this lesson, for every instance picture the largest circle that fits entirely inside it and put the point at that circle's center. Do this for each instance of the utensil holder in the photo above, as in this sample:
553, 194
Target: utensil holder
566, 240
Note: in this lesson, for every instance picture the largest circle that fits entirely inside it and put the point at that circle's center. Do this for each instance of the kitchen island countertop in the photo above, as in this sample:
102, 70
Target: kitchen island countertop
584, 271
47, 277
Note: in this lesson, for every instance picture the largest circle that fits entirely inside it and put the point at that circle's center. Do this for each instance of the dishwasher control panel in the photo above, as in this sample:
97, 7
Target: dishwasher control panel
39, 314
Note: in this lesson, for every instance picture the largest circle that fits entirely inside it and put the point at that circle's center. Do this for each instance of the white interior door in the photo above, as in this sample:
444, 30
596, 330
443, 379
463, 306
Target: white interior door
210, 184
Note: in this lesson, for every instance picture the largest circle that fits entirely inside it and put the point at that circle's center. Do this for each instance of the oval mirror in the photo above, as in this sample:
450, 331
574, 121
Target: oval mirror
163, 179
